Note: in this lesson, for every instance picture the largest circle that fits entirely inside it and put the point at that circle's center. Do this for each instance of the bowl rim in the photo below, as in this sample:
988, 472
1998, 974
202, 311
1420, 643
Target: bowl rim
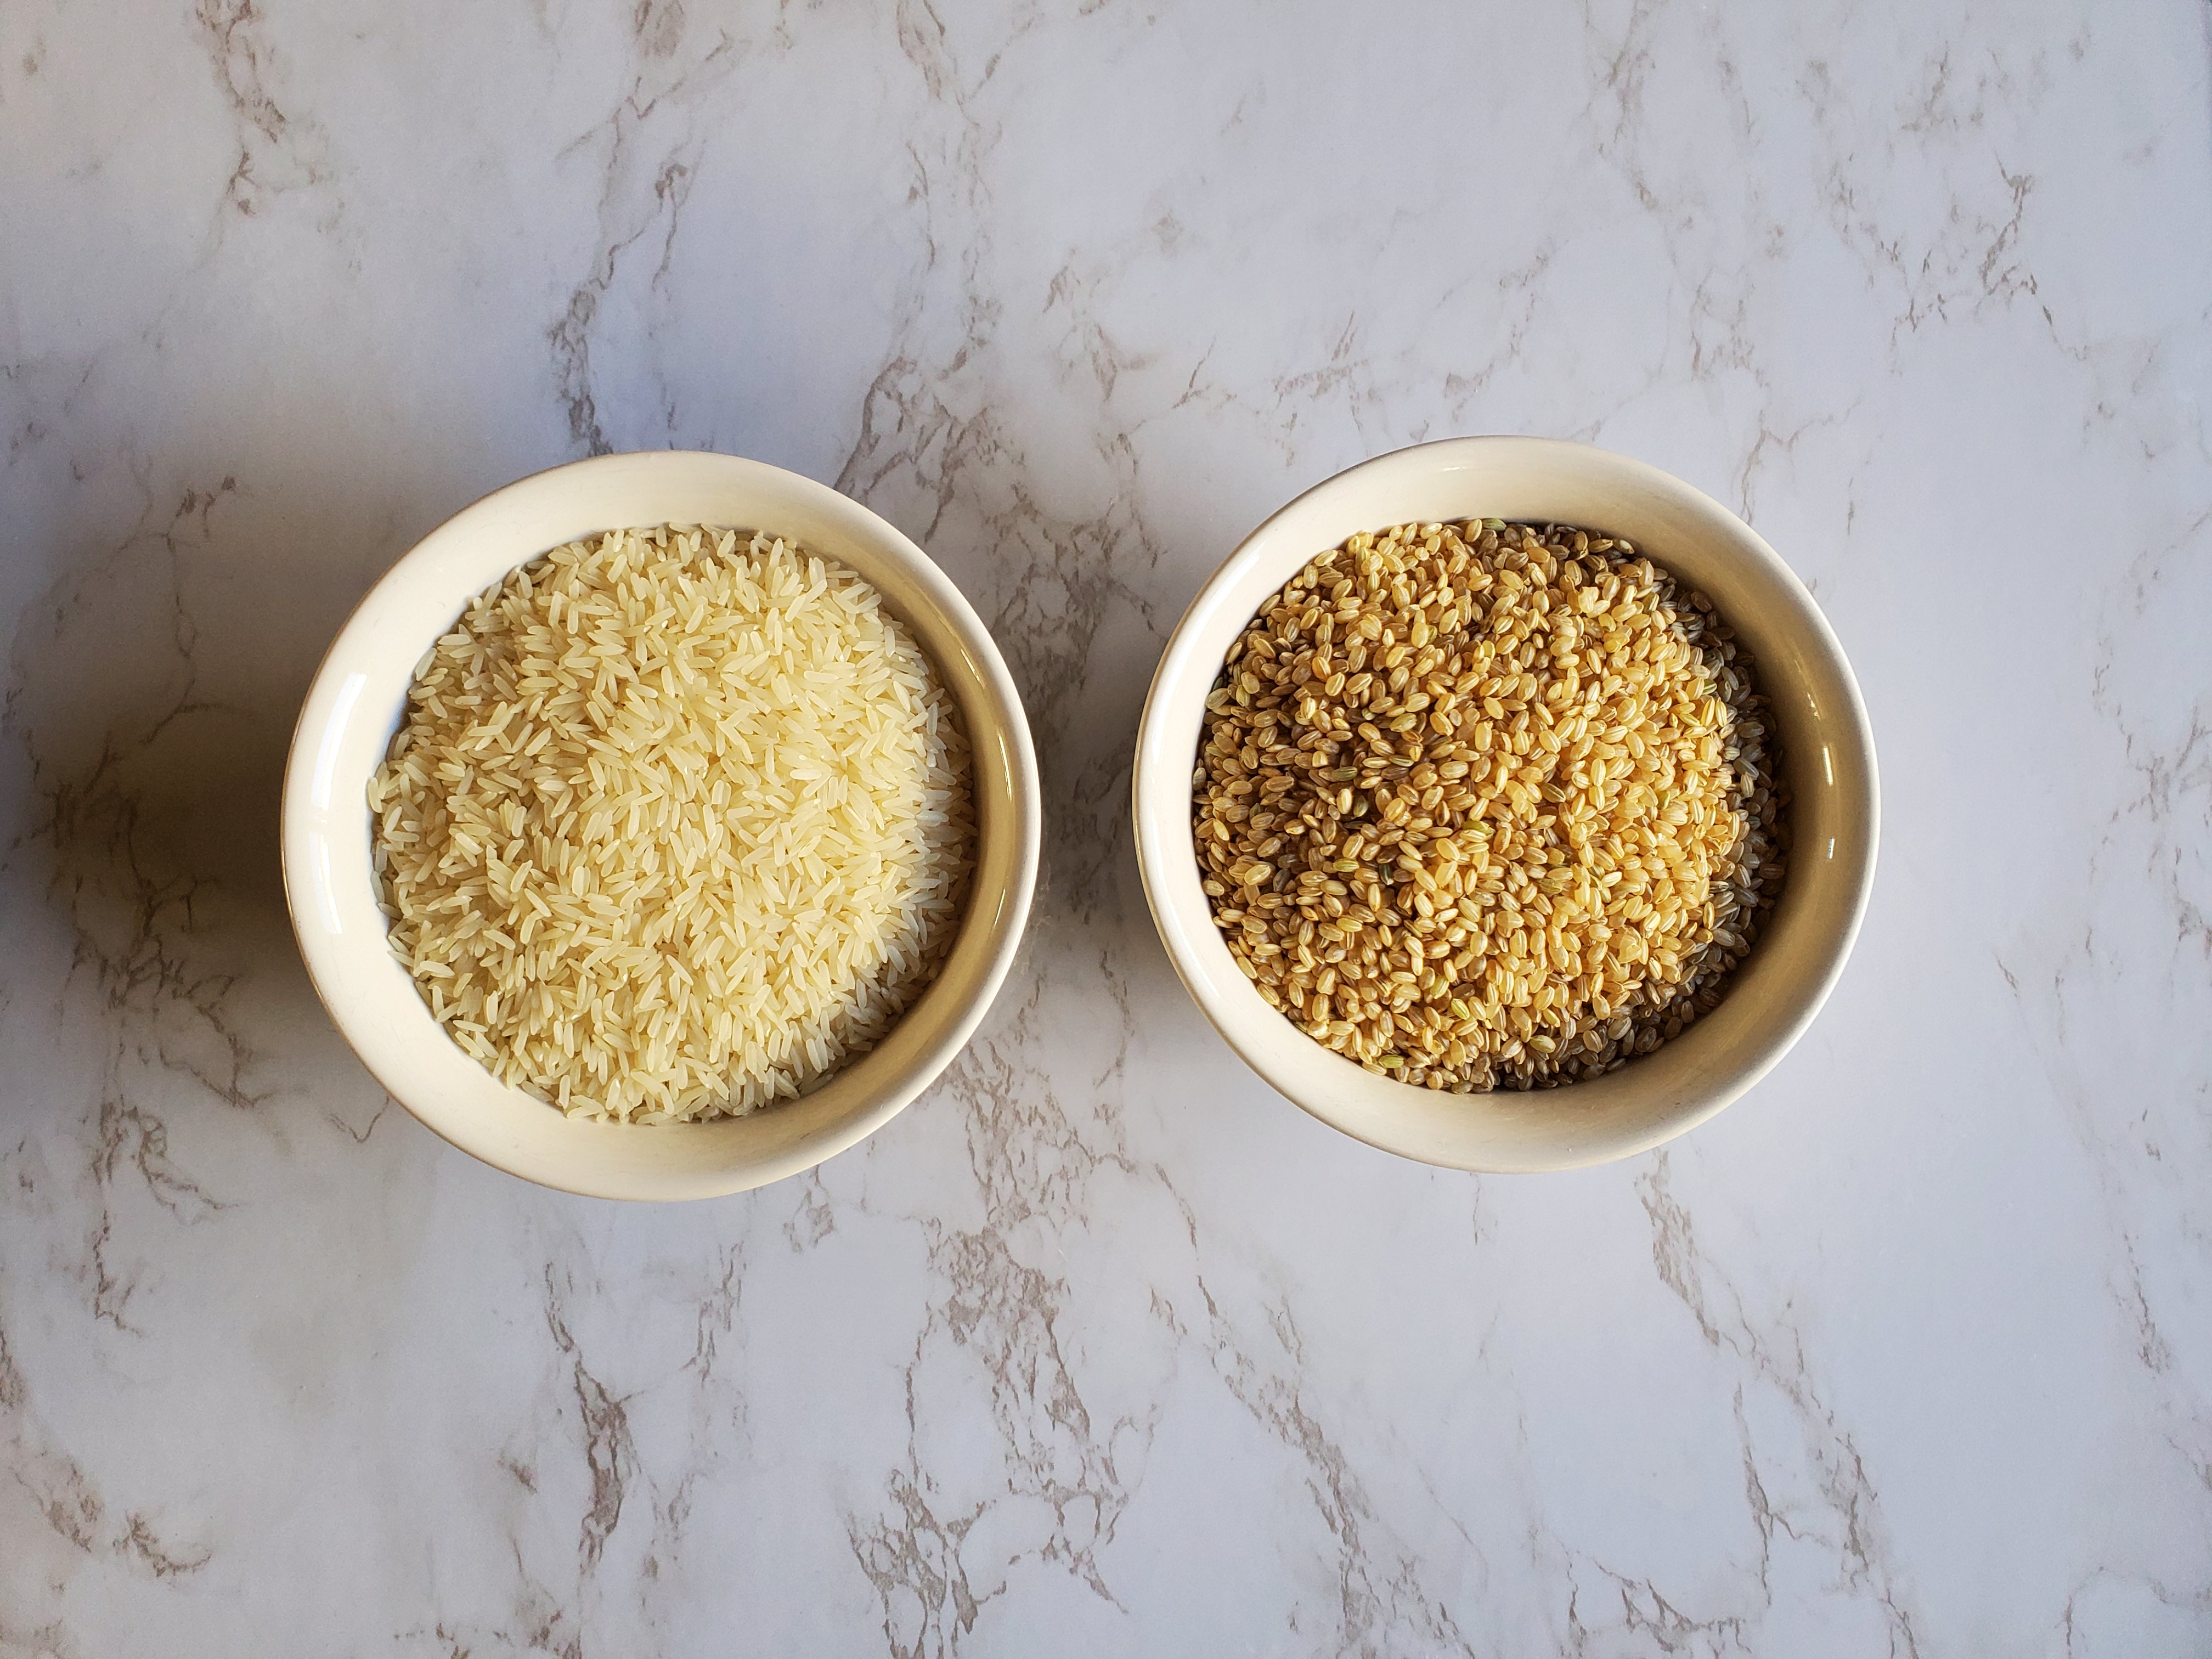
1155, 816
1005, 925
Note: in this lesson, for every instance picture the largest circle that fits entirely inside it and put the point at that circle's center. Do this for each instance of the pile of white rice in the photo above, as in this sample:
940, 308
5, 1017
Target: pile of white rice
675, 824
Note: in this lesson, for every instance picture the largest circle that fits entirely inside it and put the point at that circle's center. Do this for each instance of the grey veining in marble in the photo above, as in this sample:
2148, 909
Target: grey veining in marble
1100, 1348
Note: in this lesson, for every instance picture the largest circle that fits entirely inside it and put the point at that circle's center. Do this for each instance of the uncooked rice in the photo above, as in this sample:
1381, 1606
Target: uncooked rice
677, 823
1489, 805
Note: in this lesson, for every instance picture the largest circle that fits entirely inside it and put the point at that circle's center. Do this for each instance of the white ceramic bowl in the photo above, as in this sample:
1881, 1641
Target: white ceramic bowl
1827, 753
354, 706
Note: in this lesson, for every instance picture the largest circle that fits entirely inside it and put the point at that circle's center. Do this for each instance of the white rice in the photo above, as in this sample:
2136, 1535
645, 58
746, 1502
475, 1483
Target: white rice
675, 825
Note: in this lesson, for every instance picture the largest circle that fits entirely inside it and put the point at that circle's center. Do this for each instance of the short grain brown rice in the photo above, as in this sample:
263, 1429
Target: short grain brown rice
1488, 805
676, 824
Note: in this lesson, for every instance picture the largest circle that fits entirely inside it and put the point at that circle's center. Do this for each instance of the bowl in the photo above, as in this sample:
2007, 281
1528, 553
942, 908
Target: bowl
1827, 754
355, 704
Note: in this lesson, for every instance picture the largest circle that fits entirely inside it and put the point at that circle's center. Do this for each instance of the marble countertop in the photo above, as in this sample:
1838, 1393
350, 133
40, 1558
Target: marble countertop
1102, 1348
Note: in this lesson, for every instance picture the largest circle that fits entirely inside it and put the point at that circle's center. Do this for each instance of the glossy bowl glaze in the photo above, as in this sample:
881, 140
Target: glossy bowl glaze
1827, 753
354, 706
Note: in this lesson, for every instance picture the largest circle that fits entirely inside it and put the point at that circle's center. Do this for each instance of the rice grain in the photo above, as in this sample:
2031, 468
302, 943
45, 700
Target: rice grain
1488, 804
676, 824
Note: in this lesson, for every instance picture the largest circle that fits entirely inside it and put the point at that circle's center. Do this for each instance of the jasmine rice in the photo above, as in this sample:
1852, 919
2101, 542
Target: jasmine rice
677, 823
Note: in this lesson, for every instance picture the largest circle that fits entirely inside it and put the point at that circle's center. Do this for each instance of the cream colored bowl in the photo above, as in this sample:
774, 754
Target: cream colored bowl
354, 706
1827, 753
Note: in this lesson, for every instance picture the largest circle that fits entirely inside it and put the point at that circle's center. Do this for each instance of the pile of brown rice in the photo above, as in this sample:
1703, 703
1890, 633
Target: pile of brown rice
676, 824
1488, 804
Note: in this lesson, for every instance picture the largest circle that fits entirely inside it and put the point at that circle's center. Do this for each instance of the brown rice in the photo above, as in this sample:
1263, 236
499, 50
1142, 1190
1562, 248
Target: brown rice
1488, 804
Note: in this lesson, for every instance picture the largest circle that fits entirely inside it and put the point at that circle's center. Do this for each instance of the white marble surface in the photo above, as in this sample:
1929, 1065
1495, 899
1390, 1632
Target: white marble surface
1100, 1348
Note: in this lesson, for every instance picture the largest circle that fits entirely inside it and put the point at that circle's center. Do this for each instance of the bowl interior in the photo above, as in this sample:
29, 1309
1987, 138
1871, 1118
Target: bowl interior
1827, 757
355, 705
